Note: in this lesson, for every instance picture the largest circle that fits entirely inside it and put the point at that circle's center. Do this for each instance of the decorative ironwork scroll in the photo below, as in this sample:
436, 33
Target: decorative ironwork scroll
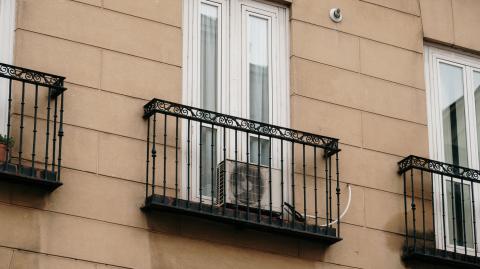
415, 162
32, 76
165, 107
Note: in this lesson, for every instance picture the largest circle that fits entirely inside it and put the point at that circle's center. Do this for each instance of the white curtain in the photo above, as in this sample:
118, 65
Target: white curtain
259, 50
259, 104
208, 94
258, 69
208, 57
209, 161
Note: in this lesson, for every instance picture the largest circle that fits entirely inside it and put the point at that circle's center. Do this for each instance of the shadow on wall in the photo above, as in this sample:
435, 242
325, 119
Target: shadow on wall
221, 234
393, 244
24, 225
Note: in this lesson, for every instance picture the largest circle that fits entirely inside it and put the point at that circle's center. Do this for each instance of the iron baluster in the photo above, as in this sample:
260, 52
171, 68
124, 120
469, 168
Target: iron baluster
338, 192
330, 189
304, 189
452, 190
54, 140
433, 212
258, 179
463, 217
293, 185
236, 174
154, 153
22, 116
60, 136
47, 140
315, 186
248, 177
176, 160
413, 212
405, 208
423, 212
200, 167
188, 163
7, 157
224, 161
164, 156
212, 178
35, 110
281, 183
474, 223
327, 226
443, 217
147, 170
270, 178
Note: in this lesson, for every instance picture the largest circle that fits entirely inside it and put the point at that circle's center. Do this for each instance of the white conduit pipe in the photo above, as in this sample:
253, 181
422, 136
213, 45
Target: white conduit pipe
344, 211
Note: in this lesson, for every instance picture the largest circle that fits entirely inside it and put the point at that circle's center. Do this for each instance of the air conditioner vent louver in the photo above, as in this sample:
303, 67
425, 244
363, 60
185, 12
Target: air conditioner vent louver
241, 183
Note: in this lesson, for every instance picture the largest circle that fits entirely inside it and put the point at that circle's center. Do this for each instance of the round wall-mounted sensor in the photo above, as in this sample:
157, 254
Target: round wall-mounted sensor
336, 15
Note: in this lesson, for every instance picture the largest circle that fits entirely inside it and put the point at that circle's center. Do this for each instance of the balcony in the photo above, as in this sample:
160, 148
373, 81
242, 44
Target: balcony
246, 173
440, 214
31, 147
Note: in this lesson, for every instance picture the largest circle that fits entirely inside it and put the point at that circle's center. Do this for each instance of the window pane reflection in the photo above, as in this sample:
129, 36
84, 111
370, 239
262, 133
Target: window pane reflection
462, 224
258, 68
476, 88
453, 114
209, 161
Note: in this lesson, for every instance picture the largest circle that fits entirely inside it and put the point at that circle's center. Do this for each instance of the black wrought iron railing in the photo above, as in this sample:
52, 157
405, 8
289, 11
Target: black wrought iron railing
241, 171
32, 104
441, 211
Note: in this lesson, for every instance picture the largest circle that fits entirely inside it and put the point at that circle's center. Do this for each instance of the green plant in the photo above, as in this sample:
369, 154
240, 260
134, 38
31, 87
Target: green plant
9, 141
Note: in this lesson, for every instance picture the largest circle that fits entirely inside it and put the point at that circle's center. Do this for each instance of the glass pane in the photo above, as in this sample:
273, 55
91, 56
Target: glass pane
264, 151
476, 88
209, 161
208, 56
258, 52
463, 214
453, 114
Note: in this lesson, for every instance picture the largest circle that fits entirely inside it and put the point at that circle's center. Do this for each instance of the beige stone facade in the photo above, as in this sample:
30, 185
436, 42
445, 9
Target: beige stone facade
361, 80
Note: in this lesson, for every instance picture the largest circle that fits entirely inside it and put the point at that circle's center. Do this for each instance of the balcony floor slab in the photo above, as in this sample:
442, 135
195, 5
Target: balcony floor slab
11, 175
229, 214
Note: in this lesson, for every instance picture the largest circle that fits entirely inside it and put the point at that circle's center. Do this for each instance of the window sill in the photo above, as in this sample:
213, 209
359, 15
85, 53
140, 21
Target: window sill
283, 2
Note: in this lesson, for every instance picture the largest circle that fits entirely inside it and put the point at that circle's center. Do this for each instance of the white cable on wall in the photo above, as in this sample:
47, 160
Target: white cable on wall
344, 211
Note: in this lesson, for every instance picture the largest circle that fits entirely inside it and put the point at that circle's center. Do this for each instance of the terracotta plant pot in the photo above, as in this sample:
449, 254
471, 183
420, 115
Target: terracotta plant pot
3, 153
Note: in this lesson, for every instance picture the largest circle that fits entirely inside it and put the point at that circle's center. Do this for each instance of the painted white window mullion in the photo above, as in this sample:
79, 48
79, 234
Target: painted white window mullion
472, 118
7, 28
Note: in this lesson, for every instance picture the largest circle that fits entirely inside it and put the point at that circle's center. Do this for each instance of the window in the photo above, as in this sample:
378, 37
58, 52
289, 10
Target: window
7, 21
453, 89
236, 63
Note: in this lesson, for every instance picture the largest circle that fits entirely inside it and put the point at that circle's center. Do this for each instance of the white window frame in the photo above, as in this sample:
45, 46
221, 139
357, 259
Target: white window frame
233, 69
434, 55
7, 28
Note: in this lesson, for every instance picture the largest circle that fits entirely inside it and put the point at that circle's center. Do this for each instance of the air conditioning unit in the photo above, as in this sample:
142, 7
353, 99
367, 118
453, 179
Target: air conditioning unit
233, 178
